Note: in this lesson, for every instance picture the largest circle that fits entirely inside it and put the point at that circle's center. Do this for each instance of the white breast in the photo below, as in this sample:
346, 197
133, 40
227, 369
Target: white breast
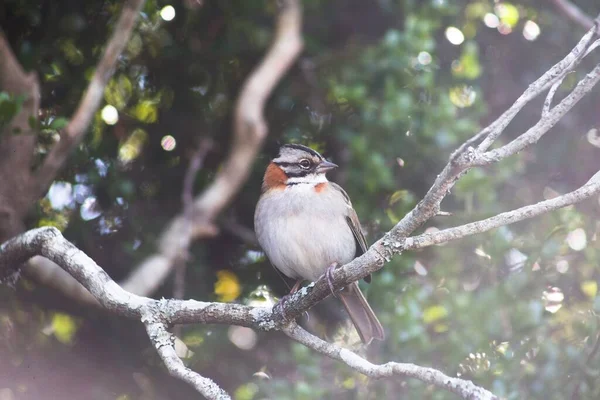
303, 232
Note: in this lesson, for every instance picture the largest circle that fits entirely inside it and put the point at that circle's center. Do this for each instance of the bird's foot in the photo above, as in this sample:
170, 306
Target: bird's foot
279, 307
328, 275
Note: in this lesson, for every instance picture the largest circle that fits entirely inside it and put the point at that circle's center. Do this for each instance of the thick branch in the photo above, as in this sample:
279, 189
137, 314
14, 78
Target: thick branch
75, 131
250, 130
49, 243
463, 388
17, 150
157, 314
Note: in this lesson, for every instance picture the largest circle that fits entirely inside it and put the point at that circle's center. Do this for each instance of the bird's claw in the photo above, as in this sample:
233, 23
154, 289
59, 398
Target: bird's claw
279, 307
328, 275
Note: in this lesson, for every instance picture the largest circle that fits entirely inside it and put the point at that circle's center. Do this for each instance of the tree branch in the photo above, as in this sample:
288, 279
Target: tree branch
461, 161
14, 80
42, 270
463, 388
164, 342
157, 314
75, 131
591, 188
544, 124
250, 130
554, 74
187, 199
573, 12
17, 150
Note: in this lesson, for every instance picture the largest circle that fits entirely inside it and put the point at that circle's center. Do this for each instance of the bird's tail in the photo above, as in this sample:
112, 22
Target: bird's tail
364, 319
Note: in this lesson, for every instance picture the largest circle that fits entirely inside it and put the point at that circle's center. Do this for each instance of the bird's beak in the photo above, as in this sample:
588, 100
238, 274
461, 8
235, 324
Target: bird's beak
325, 166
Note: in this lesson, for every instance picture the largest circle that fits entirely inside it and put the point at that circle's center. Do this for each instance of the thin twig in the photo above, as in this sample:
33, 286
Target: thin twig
575, 13
536, 88
463, 388
490, 133
550, 96
187, 198
196, 163
555, 86
446, 235
533, 134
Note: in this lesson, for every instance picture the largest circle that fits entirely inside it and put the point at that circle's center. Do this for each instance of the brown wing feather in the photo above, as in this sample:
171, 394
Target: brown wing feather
354, 224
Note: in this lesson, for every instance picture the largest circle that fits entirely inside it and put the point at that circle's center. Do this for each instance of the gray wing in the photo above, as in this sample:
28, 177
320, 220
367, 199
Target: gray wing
354, 224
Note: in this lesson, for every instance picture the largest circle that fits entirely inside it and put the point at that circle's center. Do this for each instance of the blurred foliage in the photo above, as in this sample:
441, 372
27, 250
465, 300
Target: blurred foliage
10, 106
382, 90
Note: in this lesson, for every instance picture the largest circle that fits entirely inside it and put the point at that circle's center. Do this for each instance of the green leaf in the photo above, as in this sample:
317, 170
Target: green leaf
64, 327
59, 123
33, 122
118, 92
434, 313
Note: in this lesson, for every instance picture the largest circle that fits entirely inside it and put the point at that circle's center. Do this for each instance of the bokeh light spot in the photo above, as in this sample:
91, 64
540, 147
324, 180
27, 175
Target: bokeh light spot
508, 13
491, 20
420, 268
505, 29
242, 337
132, 147
454, 35
110, 115
167, 13
89, 209
562, 266
531, 30
462, 96
60, 195
577, 239
553, 298
593, 137
227, 286
168, 143
424, 58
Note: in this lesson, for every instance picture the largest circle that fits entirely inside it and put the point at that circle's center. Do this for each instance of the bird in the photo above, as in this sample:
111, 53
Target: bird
306, 226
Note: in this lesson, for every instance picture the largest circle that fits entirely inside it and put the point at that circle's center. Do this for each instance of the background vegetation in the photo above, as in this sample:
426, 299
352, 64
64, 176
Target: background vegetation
386, 89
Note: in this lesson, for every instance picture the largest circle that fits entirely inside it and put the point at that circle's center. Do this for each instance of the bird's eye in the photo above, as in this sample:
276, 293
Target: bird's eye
304, 164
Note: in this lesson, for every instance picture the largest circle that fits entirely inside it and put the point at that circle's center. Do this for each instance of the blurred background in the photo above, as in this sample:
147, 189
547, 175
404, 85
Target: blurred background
386, 89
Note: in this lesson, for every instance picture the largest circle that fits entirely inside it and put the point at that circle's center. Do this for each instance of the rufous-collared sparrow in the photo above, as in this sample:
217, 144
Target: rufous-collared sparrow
306, 224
